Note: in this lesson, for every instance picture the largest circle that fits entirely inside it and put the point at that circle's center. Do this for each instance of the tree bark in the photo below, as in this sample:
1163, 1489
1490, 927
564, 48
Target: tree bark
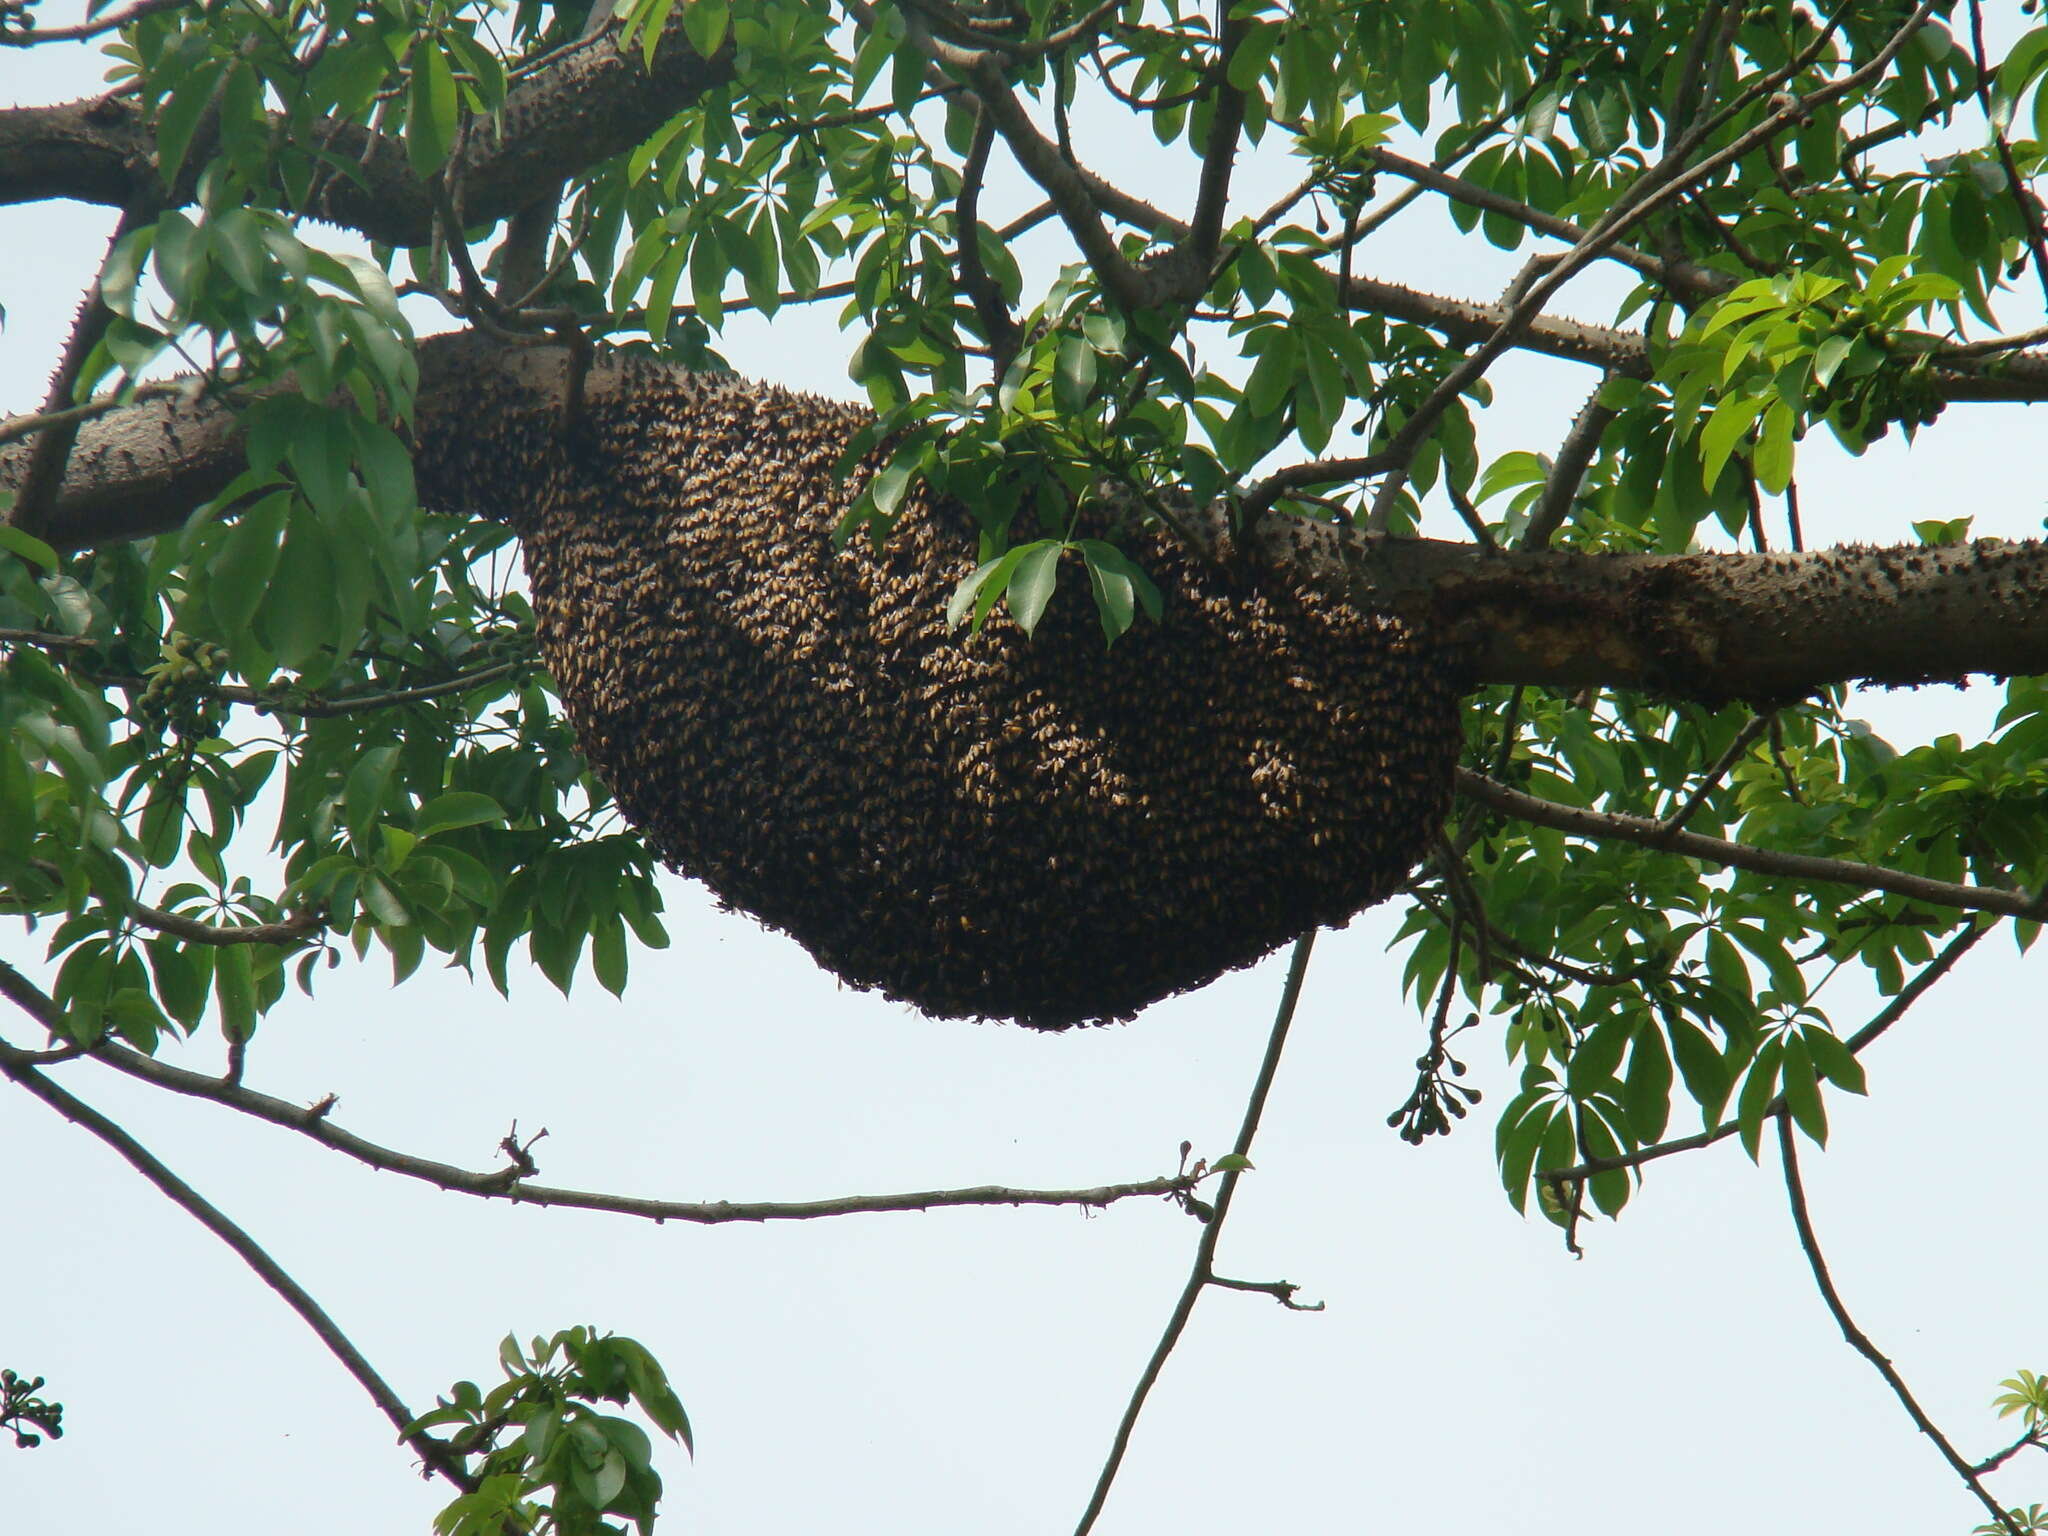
1768, 628
595, 102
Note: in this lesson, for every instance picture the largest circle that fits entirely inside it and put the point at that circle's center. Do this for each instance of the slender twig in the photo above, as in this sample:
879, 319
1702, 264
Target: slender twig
508, 1184
1203, 1273
433, 1452
1282, 1291
2014, 343
1751, 729
1997, 1459
1259, 499
324, 706
2023, 202
1765, 861
44, 640
17, 427
1795, 1194
1429, 178
998, 326
1468, 514
29, 38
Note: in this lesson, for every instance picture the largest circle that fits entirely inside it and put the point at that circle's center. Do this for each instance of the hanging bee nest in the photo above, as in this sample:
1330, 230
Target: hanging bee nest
1039, 828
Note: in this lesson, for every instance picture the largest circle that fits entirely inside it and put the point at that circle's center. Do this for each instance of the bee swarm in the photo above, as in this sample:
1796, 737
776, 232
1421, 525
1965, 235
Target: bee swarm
1045, 828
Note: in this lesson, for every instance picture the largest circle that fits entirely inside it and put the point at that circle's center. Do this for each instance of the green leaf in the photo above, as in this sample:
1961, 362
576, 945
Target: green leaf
432, 107
1031, 587
459, 808
1725, 430
1074, 377
363, 797
184, 975
25, 544
704, 23
1833, 1060
234, 989
608, 956
1802, 1092
978, 590
239, 573
1758, 1089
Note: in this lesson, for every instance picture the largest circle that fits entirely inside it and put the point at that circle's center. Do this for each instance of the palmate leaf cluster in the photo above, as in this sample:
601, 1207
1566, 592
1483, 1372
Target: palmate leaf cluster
311, 706
550, 1461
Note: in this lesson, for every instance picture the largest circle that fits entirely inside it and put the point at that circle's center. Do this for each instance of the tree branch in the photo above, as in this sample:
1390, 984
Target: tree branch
591, 103
1795, 1193
1997, 1459
1663, 181
431, 1451
1764, 861
1574, 454
29, 35
318, 1125
1203, 1273
1764, 627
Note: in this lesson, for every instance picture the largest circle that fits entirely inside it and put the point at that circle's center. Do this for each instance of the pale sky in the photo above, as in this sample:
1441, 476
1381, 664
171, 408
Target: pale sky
963, 1371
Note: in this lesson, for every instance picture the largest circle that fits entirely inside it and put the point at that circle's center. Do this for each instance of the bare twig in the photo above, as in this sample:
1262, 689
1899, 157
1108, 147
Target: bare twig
44, 640
1203, 1273
17, 427
998, 326
1795, 1194
1997, 1459
1751, 729
1259, 499
430, 1450
509, 1183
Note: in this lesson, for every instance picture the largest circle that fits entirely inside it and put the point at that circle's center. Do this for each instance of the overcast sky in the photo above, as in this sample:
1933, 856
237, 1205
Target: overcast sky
963, 1371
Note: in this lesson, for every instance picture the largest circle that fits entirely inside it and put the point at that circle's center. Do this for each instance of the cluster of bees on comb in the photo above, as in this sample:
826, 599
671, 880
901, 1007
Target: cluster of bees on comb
1037, 828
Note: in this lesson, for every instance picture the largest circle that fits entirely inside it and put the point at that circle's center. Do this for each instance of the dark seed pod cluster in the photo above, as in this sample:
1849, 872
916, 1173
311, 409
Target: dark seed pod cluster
1040, 828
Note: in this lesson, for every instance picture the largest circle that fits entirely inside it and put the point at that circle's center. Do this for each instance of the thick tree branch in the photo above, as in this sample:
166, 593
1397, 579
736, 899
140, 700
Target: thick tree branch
590, 104
1766, 627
